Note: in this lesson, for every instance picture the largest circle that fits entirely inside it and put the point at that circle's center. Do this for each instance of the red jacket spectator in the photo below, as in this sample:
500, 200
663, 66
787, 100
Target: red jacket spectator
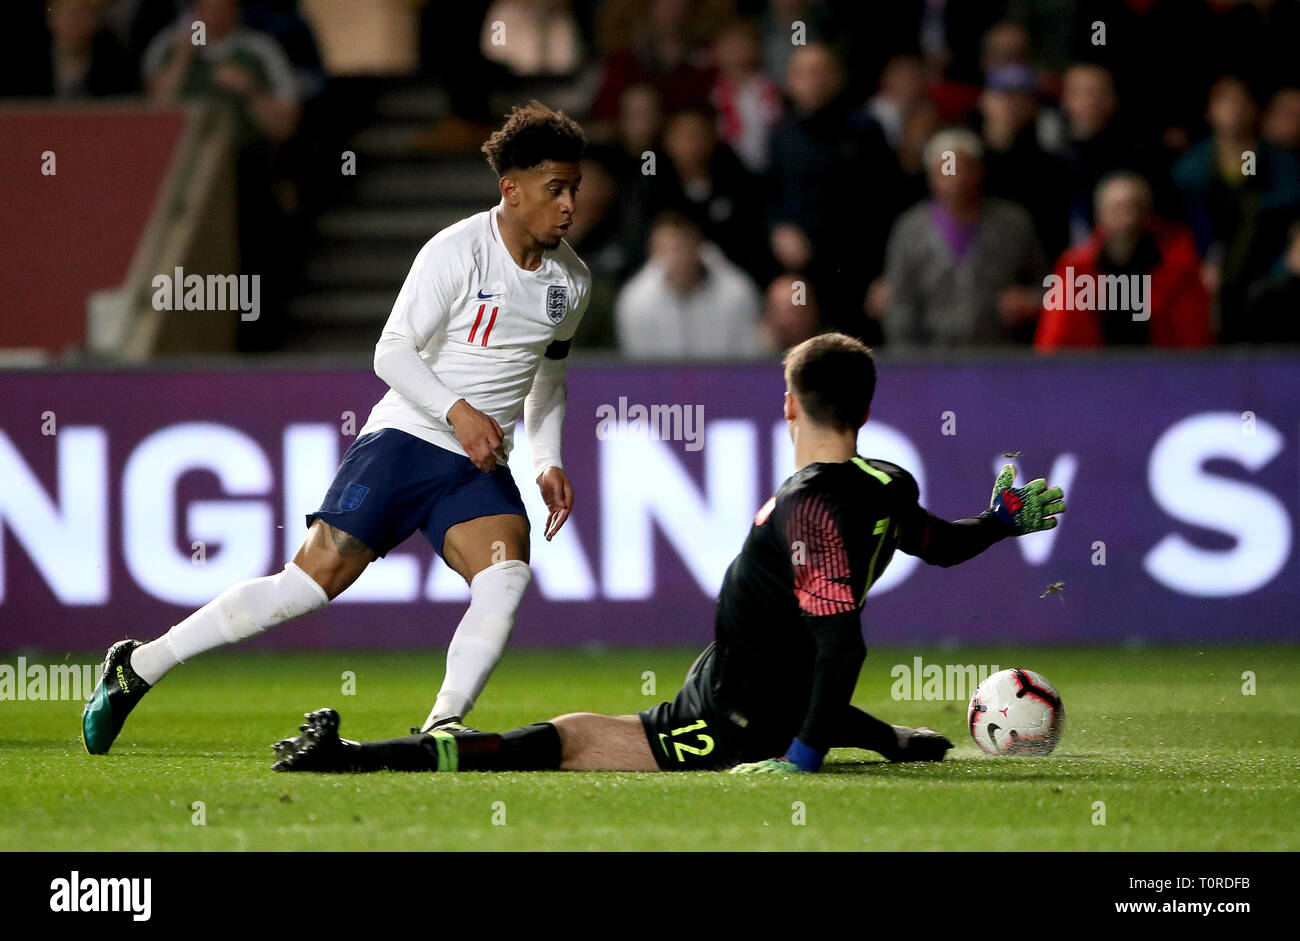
1180, 307
681, 84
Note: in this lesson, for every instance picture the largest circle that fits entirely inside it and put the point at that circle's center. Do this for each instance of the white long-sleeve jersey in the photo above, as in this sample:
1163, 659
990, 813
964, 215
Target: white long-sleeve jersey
470, 323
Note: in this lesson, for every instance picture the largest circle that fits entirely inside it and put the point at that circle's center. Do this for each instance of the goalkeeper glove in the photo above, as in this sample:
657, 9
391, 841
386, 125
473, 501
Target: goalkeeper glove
1027, 509
798, 759
768, 766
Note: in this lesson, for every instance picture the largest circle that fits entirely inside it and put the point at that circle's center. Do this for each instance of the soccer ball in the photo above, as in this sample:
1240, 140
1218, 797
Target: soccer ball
1016, 712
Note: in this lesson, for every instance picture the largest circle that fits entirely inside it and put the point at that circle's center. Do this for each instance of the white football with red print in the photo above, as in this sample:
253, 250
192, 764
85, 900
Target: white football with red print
1016, 712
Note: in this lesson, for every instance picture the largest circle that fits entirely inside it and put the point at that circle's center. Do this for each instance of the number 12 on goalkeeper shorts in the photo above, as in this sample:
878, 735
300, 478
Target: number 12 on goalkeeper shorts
681, 748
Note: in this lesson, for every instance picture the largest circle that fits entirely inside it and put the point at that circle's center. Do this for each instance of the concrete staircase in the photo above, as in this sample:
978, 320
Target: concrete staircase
365, 242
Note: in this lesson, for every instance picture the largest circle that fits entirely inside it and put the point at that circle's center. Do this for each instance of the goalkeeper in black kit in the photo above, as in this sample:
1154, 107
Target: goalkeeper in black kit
771, 693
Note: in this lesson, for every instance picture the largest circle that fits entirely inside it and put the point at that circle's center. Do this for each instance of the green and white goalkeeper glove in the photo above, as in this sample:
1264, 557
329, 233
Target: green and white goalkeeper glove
769, 766
1027, 509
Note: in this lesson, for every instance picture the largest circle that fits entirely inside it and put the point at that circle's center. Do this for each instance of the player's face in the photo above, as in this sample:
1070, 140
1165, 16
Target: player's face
548, 196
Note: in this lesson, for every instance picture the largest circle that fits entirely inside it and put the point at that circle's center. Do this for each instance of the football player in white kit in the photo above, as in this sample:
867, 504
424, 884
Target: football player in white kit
476, 339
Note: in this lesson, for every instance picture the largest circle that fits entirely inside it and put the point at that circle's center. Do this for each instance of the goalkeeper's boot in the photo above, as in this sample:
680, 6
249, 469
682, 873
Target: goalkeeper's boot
918, 745
115, 695
319, 747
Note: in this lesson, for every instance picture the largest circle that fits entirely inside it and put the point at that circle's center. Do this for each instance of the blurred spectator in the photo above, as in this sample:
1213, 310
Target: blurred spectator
451, 52
1096, 142
952, 37
1049, 28
902, 91
637, 191
1005, 43
922, 124
1154, 49
776, 32
136, 22
1000, 45
240, 66
907, 118
1257, 39
594, 235
747, 101
961, 267
1015, 166
590, 228
661, 53
280, 20
832, 185
707, 182
77, 57
542, 37
1239, 207
1281, 124
791, 313
1129, 241
689, 301
1272, 312
248, 72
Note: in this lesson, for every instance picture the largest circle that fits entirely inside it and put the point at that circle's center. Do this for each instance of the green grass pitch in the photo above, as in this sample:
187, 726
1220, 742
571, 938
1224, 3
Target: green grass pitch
1164, 738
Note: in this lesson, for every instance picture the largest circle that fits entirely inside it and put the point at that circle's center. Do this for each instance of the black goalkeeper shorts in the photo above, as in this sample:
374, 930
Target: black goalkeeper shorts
692, 733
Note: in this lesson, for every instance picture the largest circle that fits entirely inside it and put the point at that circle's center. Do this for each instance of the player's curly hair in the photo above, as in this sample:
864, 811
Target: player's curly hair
534, 133
833, 376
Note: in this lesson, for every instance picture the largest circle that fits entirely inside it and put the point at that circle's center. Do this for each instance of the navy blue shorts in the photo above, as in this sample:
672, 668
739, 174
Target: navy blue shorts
391, 483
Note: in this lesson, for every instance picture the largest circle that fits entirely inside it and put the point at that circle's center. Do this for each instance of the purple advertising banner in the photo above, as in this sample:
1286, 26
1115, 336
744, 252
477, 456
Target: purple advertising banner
130, 498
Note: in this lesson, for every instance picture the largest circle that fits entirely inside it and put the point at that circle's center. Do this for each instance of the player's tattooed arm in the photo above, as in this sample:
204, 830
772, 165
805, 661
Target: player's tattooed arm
343, 544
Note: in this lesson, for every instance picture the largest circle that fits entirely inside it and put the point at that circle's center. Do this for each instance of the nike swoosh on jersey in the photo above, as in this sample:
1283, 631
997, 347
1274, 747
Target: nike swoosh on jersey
484, 297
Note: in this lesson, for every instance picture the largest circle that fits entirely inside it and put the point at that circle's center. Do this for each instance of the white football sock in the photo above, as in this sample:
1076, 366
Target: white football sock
480, 637
239, 612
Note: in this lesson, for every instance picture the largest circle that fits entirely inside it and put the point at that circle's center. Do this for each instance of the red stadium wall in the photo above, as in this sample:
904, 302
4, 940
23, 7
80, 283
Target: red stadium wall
68, 234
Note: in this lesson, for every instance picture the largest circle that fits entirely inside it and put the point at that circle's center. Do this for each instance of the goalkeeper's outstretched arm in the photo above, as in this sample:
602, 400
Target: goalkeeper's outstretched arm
1012, 512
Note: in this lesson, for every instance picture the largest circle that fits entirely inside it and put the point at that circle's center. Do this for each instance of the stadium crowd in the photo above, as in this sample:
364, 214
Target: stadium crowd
907, 172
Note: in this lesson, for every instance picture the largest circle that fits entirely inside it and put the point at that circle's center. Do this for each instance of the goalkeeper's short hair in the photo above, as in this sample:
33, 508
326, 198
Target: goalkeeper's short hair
833, 377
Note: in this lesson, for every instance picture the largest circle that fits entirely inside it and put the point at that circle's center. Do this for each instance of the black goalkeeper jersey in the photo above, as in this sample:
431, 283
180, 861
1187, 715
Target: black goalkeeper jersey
788, 635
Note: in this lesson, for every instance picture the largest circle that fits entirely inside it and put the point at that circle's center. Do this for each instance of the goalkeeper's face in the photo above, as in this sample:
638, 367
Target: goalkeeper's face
547, 199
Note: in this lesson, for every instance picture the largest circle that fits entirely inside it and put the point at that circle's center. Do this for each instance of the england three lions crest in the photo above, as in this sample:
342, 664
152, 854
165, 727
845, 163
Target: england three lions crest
557, 302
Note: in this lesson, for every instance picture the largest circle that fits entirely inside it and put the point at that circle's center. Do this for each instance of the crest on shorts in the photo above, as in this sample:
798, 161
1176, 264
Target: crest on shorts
352, 496
557, 302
